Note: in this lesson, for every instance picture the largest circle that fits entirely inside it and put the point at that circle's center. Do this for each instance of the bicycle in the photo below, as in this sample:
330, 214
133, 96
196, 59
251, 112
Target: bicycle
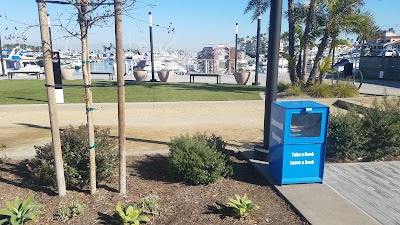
356, 77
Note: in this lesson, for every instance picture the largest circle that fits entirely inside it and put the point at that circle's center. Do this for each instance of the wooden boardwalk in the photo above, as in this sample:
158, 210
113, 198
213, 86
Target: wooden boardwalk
374, 187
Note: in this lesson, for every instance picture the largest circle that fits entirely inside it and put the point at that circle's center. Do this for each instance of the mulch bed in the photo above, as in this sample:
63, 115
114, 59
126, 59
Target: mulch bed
178, 202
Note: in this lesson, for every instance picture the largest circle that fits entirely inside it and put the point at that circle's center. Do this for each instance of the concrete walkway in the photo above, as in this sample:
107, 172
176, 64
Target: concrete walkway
318, 203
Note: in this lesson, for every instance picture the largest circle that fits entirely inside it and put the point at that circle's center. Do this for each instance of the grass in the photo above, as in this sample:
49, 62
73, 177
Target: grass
34, 92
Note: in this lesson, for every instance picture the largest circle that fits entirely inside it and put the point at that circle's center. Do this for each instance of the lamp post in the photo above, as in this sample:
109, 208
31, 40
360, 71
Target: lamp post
151, 47
261, 152
258, 45
236, 45
3, 71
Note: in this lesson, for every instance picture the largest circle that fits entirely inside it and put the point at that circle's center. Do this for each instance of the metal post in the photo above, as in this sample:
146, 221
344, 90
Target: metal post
257, 48
261, 152
151, 47
3, 71
236, 45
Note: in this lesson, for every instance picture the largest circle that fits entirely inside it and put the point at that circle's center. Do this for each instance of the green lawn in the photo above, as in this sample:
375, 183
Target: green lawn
34, 92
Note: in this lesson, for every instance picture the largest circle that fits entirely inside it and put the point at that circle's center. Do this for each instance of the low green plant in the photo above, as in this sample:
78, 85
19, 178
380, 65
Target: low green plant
198, 159
139, 69
242, 70
20, 212
132, 215
242, 206
320, 91
70, 211
148, 204
74, 146
4, 159
344, 90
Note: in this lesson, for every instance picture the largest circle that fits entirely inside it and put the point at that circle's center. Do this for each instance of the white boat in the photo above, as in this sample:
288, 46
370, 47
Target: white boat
22, 61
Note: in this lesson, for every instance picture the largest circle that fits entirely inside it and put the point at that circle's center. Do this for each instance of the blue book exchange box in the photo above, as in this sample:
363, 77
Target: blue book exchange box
298, 141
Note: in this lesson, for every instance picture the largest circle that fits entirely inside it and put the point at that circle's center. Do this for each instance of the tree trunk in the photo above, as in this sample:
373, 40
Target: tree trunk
304, 62
292, 59
298, 66
318, 57
54, 126
121, 96
306, 35
88, 96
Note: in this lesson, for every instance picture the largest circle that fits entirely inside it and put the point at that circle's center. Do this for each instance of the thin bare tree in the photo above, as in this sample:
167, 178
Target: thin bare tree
50, 87
121, 96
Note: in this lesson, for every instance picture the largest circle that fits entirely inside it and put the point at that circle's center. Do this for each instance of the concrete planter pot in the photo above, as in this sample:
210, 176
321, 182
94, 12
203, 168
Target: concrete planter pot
242, 77
67, 73
140, 75
164, 75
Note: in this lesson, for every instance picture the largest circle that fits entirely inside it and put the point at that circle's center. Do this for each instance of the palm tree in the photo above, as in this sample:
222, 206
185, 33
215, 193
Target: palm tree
343, 16
258, 7
336, 42
306, 36
325, 67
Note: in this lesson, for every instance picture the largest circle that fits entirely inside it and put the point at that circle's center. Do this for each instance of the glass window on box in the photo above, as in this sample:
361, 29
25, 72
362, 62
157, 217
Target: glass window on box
306, 125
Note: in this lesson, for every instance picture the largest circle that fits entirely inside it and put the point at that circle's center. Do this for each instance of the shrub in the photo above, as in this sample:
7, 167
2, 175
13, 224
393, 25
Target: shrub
371, 136
344, 90
282, 87
197, 159
74, 145
345, 139
294, 90
382, 124
20, 212
69, 211
320, 91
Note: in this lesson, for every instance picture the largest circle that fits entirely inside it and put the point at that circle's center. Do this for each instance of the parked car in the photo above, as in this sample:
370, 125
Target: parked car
389, 53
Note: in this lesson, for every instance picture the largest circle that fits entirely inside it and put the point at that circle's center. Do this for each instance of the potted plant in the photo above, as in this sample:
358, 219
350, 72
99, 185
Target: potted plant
242, 76
67, 72
140, 74
164, 75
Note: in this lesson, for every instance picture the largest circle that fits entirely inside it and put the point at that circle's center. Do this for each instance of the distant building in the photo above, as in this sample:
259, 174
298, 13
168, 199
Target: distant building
388, 40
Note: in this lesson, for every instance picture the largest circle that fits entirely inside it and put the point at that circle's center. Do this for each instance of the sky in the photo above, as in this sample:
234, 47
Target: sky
197, 23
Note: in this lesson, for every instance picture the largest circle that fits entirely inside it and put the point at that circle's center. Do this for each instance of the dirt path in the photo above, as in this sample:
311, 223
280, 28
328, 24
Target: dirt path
149, 126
